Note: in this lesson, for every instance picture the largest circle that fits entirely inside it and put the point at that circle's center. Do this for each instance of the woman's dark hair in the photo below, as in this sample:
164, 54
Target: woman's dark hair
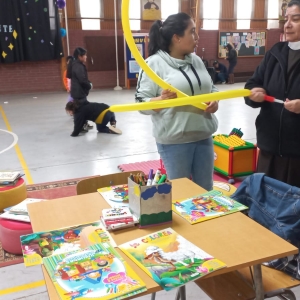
79, 52
71, 106
229, 47
161, 33
294, 2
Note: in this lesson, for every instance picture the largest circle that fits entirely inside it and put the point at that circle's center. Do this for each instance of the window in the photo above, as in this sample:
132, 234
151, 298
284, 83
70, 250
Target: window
244, 11
211, 13
90, 9
135, 13
273, 13
169, 7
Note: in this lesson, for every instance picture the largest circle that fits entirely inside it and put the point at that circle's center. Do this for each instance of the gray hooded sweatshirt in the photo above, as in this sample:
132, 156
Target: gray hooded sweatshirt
183, 124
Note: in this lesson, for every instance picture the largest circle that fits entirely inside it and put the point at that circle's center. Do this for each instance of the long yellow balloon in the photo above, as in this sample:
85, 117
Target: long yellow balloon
182, 100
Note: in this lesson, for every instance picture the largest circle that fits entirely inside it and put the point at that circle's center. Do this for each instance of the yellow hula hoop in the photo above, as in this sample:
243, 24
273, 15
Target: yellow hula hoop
197, 101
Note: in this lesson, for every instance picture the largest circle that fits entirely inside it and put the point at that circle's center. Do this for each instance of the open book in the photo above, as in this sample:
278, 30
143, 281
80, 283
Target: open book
115, 196
170, 259
97, 272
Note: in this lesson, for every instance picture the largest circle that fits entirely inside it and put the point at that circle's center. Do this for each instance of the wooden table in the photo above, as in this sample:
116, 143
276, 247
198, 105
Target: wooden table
234, 239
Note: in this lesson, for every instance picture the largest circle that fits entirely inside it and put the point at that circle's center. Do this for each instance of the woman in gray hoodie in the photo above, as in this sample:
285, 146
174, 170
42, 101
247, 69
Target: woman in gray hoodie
183, 134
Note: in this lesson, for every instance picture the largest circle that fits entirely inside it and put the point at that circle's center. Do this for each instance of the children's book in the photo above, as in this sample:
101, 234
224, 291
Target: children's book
97, 272
8, 176
37, 245
170, 259
115, 196
21, 208
206, 206
15, 217
117, 213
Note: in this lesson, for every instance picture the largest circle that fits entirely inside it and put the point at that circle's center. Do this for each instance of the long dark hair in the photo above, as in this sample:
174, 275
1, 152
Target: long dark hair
161, 33
71, 106
79, 52
229, 47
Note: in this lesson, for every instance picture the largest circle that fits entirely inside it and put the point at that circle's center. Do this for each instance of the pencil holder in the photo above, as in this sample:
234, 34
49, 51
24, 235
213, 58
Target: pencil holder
152, 205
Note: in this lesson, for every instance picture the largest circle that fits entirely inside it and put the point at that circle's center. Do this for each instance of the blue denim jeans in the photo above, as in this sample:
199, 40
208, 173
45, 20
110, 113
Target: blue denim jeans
273, 204
194, 160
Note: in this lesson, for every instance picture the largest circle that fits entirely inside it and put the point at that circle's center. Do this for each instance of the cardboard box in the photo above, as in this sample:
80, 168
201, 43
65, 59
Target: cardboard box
235, 161
152, 205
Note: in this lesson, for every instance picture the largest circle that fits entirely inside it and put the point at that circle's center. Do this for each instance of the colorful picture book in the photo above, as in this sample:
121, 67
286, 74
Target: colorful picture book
206, 206
97, 272
170, 259
37, 245
115, 196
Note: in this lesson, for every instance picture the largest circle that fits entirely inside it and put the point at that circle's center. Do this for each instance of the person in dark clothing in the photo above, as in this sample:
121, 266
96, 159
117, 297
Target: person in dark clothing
92, 111
277, 125
151, 4
221, 72
232, 59
80, 84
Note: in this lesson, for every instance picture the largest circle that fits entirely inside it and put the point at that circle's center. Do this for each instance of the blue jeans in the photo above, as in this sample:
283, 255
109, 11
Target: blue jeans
191, 159
221, 77
273, 204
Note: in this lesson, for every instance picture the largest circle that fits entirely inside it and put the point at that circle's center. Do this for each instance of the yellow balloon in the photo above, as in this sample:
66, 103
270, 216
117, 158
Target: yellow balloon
140, 60
183, 99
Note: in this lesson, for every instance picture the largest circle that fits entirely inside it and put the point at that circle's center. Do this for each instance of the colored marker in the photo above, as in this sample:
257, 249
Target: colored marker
149, 181
162, 179
156, 177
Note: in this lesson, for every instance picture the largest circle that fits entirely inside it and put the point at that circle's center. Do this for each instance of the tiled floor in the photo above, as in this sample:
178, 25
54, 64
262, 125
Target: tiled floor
43, 129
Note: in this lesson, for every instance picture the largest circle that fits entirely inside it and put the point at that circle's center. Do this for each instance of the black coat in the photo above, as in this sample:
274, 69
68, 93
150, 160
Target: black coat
278, 130
80, 84
90, 112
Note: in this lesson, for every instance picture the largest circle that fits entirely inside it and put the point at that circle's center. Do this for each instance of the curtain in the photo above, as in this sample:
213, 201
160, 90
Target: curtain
29, 30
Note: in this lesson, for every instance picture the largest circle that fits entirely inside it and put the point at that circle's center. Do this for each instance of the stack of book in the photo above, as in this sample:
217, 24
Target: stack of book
9, 178
19, 212
118, 218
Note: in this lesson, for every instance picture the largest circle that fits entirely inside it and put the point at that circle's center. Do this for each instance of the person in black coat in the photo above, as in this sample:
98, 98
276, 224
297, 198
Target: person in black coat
232, 59
277, 125
77, 72
92, 111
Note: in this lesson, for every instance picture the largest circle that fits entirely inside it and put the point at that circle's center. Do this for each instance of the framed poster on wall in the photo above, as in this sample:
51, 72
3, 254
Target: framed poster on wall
131, 66
151, 9
246, 43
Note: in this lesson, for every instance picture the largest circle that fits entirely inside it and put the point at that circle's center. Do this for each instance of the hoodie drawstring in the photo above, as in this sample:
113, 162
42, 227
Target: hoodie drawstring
189, 80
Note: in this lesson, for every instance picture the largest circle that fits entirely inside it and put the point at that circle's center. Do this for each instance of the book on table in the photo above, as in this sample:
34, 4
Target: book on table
170, 259
115, 196
8, 176
206, 206
37, 245
19, 212
96, 272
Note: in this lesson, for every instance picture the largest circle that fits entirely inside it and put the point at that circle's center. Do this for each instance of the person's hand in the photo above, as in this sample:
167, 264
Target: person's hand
167, 94
212, 107
292, 106
257, 94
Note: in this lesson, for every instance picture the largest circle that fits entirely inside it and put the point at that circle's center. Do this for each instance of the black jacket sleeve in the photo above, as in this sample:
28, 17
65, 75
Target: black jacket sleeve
256, 81
80, 72
79, 121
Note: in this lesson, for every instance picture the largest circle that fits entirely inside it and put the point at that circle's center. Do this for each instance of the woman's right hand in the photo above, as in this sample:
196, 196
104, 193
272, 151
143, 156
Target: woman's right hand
257, 95
167, 94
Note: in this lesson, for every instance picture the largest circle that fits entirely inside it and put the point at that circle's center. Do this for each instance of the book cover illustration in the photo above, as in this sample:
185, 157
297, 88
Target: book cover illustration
206, 206
170, 259
115, 196
95, 272
37, 245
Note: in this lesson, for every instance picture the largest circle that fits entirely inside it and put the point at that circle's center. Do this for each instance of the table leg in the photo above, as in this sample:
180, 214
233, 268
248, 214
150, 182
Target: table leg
259, 289
153, 295
181, 293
